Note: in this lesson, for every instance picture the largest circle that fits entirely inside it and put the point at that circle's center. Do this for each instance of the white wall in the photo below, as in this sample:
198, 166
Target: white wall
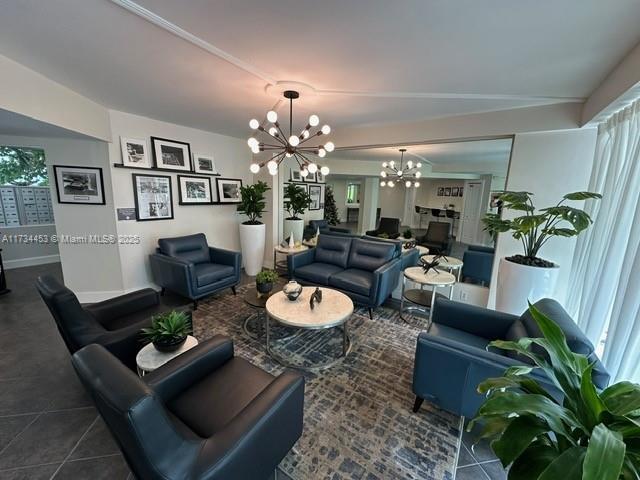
548, 164
427, 195
17, 254
219, 223
391, 201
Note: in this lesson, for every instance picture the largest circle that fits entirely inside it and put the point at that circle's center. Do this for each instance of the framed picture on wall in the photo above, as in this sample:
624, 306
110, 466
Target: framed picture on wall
153, 197
134, 153
295, 175
228, 190
454, 191
460, 191
310, 178
319, 177
79, 185
447, 191
171, 154
204, 164
194, 190
440, 191
315, 192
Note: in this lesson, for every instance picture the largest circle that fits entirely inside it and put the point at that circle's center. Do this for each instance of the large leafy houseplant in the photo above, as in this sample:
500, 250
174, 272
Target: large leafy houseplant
588, 435
252, 202
297, 200
534, 228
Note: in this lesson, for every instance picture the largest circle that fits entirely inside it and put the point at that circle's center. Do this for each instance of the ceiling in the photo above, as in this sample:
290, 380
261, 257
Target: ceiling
19, 125
371, 62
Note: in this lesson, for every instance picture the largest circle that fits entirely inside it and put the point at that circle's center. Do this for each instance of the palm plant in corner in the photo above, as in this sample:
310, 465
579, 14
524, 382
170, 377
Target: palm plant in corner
253, 231
529, 277
588, 435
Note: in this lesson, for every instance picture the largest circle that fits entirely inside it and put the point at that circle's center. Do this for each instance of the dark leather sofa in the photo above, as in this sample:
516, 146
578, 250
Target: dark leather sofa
324, 227
388, 226
452, 358
367, 270
437, 239
205, 415
478, 264
114, 323
189, 267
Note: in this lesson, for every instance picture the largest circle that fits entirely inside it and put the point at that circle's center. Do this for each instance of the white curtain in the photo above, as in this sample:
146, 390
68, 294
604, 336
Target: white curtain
604, 295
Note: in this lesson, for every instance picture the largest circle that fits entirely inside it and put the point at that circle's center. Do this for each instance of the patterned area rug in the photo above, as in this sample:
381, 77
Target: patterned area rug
358, 420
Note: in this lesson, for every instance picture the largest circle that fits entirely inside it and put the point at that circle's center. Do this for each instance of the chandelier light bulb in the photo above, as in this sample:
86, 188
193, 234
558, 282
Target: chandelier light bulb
417, 184
314, 120
254, 124
383, 174
324, 170
326, 129
273, 131
384, 164
313, 168
272, 116
400, 173
294, 140
418, 174
305, 134
329, 147
410, 164
272, 165
392, 163
322, 152
407, 183
304, 173
391, 184
273, 172
253, 141
255, 149
419, 165
288, 155
254, 168
383, 183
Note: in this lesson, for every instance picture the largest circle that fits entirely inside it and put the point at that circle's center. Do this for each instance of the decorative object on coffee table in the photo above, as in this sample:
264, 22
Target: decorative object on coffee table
292, 290
316, 297
149, 357
265, 281
445, 262
168, 331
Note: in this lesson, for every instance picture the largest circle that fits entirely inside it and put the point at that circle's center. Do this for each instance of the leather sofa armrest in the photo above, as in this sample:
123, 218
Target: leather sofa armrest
264, 431
124, 343
226, 257
300, 259
339, 230
483, 322
372, 233
173, 273
124, 305
394, 235
385, 280
190, 367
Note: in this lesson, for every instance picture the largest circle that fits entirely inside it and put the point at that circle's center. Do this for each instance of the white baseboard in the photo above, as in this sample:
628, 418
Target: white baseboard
93, 297
31, 261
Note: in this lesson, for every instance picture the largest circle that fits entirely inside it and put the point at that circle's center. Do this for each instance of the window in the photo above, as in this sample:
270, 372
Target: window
23, 166
353, 193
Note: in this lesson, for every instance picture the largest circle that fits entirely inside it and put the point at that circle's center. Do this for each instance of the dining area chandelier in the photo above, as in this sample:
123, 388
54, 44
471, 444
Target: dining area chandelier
282, 146
407, 174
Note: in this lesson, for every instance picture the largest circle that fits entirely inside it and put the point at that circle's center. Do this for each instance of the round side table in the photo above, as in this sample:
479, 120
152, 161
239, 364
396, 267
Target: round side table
420, 299
255, 324
149, 358
279, 249
452, 264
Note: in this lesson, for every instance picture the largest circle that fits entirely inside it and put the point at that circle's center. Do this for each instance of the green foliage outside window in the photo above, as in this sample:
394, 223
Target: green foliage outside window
23, 166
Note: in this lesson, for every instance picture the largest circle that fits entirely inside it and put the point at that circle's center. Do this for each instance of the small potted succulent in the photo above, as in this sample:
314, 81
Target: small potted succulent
168, 331
407, 234
265, 280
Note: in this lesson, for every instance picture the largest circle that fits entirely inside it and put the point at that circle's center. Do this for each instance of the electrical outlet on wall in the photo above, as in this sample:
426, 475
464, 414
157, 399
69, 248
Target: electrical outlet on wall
463, 295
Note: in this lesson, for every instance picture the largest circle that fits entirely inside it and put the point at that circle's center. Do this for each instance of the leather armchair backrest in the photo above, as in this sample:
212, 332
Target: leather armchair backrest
389, 225
333, 249
481, 248
319, 224
438, 232
76, 326
135, 416
192, 248
370, 255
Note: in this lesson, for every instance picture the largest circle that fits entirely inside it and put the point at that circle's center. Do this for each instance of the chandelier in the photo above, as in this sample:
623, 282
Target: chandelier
282, 146
392, 173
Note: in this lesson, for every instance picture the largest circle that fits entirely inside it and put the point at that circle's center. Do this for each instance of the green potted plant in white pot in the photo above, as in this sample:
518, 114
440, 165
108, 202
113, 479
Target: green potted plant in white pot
253, 231
528, 277
296, 202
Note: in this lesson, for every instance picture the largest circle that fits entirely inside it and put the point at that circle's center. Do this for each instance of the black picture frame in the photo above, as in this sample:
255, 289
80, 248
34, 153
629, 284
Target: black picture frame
136, 198
181, 192
461, 191
447, 191
454, 191
186, 157
61, 194
440, 192
318, 189
220, 188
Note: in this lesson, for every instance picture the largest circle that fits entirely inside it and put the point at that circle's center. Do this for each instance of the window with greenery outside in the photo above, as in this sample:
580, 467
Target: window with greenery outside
23, 166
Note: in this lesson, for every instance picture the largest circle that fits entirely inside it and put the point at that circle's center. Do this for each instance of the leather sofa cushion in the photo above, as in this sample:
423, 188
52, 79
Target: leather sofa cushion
333, 249
319, 224
370, 255
192, 248
208, 273
317, 272
207, 406
353, 280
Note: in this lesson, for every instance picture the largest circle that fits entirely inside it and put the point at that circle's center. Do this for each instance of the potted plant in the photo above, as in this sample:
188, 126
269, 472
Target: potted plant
297, 200
527, 277
265, 280
168, 331
588, 435
407, 234
252, 231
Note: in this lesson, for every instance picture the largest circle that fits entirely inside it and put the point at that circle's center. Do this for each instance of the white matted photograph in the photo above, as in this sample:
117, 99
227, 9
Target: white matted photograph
171, 154
153, 197
204, 164
228, 190
319, 177
315, 192
134, 153
295, 175
310, 178
194, 190
79, 185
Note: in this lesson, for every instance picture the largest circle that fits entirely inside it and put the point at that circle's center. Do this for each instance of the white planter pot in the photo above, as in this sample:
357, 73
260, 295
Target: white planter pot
518, 284
252, 238
293, 226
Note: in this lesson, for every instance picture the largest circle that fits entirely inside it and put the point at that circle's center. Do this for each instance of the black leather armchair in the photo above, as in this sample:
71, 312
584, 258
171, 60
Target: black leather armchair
114, 323
390, 226
324, 227
205, 415
438, 238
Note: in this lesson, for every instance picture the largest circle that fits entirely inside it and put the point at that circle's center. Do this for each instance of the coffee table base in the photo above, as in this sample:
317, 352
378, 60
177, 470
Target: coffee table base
261, 318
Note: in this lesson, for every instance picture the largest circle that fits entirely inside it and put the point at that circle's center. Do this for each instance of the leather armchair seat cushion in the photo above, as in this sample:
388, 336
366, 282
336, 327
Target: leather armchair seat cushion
333, 249
191, 248
208, 273
317, 272
465, 338
370, 255
210, 404
353, 280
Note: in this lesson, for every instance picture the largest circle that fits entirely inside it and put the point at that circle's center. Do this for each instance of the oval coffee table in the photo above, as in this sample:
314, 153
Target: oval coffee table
334, 311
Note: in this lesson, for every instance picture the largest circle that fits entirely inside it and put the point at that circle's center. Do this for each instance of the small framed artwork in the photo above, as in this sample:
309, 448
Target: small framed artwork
310, 178
153, 197
134, 153
295, 175
171, 154
79, 185
204, 164
447, 191
454, 191
194, 190
315, 192
319, 177
460, 191
440, 191
228, 190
